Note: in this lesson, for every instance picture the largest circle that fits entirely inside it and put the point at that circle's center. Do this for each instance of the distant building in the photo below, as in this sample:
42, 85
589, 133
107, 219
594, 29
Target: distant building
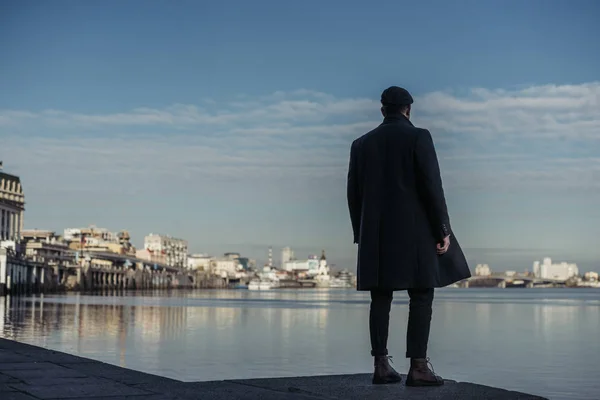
12, 207
225, 267
38, 234
561, 271
199, 262
46, 247
152, 256
482, 270
310, 266
92, 232
232, 256
287, 254
591, 276
174, 249
322, 275
93, 238
245, 262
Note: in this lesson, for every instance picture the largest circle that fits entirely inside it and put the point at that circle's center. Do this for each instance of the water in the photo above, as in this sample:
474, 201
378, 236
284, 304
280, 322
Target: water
540, 341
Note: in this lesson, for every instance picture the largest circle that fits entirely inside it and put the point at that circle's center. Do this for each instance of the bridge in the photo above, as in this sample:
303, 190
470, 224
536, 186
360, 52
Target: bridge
503, 281
123, 259
106, 270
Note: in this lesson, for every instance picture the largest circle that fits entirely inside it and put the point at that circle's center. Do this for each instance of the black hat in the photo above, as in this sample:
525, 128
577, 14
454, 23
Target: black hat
396, 96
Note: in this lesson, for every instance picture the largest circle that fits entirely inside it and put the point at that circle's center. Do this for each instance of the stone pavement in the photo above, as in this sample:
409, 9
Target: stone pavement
30, 372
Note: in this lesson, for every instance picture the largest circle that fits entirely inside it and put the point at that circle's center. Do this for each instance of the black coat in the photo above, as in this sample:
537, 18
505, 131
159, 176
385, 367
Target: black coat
398, 210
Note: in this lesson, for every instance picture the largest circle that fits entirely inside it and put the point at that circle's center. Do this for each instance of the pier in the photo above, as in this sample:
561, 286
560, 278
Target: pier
507, 281
95, 271
29, 373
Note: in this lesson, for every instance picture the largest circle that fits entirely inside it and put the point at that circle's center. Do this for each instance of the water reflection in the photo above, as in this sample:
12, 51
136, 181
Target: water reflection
487, 336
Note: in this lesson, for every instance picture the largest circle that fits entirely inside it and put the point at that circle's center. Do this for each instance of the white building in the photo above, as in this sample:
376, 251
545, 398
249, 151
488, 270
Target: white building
199, 262
152, 256
225, 267
322, 275
175, 250
482, 270
92, 235
591, 276
46, 247
311, 266
561, 271
287, 254
12, 207
72, 234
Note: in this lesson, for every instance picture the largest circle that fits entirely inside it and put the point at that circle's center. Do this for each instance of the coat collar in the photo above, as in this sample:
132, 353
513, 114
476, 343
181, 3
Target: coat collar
397, 118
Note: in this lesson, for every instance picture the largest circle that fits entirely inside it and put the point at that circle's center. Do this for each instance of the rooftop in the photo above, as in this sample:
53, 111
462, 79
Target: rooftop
9, 177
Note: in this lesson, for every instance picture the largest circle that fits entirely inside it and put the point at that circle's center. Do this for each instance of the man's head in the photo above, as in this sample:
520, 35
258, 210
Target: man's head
396, 100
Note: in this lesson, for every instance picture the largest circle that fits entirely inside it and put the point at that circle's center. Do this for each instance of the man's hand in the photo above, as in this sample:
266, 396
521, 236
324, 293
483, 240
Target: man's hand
444, 246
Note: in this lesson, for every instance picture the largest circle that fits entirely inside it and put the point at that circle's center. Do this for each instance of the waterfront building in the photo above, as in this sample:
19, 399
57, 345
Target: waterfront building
12, 207
92, 233
40, 234
548, 270
287, 254
591, 276
232, 256
40, 261
93, 238
174, 249
482, 270
16, 273
46, 247
226, 267
199, 262
311, 267
126, 247
97, 239
322, 276
245, 262
152, 256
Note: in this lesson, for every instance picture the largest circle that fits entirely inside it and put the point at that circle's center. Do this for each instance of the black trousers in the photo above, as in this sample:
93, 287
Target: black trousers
419, 321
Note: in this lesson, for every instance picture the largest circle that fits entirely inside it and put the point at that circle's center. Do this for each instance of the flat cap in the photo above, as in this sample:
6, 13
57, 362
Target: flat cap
396, 96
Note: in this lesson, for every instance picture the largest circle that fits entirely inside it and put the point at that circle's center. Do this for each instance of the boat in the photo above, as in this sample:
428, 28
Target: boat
343, 280
261, 284
265, 285
254, 284
338, 283
240, 286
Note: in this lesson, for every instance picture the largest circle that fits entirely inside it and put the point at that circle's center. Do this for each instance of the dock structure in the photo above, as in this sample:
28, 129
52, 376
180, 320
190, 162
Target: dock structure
95, 271
29, 372
504, 281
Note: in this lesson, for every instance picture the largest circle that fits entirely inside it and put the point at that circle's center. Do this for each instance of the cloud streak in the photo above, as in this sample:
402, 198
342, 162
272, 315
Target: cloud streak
534, 137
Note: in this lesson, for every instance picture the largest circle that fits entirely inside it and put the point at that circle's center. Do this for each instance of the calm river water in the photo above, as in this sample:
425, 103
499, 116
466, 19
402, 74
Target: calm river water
541, 341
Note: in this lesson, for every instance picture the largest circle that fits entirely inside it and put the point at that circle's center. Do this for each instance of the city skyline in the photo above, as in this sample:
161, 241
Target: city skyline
232, 129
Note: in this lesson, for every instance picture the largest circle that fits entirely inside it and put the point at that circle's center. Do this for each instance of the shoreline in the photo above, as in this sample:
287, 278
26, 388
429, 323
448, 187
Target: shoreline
30, 372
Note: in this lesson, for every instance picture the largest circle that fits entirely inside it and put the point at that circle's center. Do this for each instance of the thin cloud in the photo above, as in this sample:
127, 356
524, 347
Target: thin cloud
535, 137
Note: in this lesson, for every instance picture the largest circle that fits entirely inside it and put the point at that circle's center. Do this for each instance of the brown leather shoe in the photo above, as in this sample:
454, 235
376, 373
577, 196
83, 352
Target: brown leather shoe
421, 375
384, 373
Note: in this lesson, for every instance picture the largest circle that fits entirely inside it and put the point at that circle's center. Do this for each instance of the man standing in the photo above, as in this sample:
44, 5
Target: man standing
401, 225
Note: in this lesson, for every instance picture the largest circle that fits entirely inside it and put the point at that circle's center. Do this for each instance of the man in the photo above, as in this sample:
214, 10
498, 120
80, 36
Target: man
401, 225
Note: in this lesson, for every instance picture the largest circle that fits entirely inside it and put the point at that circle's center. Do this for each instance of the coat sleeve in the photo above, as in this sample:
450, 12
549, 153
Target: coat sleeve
429, 185
354, 194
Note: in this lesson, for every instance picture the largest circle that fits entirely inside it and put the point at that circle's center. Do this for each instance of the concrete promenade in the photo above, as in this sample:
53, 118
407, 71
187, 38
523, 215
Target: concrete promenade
30, 372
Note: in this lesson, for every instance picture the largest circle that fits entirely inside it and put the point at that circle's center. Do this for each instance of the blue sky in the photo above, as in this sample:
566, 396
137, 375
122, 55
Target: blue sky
229, 123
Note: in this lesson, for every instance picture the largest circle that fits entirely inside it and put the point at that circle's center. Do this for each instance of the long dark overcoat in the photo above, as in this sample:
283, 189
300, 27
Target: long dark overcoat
398, 210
